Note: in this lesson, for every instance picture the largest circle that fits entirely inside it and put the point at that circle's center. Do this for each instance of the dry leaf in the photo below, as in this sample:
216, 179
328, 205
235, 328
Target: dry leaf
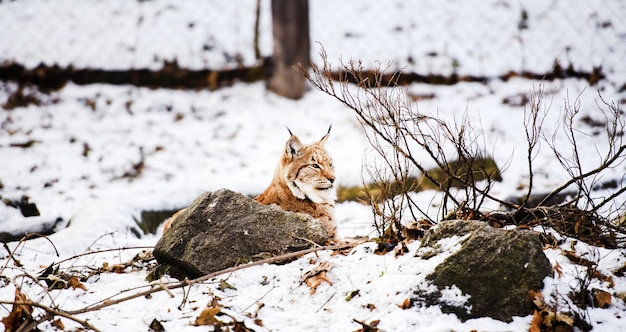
241, 327
207, 317
544, 316
535, 324
621, 296
405, 304
118, 268
536, 298
19, 314
316, 280
75, 283
259, 305
115, 268
55, 282
561, 320
156, 326
224, 285
215, 302
371, 327
608, 279
58, 324
400, 250
352, 294
574, 258
602, 298
317, 275
557, 269
369, 306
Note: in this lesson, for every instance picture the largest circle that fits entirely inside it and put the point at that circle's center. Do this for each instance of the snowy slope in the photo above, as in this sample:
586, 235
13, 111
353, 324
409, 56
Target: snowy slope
86, 140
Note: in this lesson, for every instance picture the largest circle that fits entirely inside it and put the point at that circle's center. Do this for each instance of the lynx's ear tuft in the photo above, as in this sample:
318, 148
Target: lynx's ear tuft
293, 147
325, 138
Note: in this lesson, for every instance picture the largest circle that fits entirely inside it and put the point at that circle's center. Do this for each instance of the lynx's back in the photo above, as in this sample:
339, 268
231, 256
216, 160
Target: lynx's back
304, 182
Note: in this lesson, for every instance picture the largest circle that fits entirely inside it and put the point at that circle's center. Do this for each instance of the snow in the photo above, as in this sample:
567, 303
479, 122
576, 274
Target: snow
87, 139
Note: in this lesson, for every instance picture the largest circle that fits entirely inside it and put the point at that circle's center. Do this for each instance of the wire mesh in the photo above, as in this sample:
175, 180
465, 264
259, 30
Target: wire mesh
485, 38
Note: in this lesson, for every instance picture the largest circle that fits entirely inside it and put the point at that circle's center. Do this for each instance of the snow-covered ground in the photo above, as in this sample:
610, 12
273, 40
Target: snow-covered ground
87, 138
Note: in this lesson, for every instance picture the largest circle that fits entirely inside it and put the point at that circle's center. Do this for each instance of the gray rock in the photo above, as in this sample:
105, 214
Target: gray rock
495, 267
224, 228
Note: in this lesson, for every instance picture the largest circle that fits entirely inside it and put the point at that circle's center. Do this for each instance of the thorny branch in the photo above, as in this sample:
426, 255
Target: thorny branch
385, 112
406, 139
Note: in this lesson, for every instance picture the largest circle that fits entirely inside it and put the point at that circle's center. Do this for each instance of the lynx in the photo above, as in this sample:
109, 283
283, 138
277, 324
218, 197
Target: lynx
304, 182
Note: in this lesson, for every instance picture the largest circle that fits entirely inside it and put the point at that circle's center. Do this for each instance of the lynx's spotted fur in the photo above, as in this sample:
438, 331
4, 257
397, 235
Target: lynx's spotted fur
304, 182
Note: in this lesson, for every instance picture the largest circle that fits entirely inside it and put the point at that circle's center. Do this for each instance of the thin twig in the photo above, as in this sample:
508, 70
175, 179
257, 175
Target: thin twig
175, 285
325, 303
597, 170
259, 299
70, 314
52, 312
87, 253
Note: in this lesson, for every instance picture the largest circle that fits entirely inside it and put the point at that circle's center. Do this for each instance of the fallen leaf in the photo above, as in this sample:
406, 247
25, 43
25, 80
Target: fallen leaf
544, 316
406, 304
54, 282
241, 327
156, 326
365, 327
58, 324
557, 321
602, 298
258, 308
352, 294
207, 317
557, 270
535, 324
574, 258
536, 298
401, 250
115, 268
75, 283
224, 285
608, 279
564, 320
118, 268
215, 302
145, 256
317, 275
316, 280
369, 306
19, 314
621, 296
158, 272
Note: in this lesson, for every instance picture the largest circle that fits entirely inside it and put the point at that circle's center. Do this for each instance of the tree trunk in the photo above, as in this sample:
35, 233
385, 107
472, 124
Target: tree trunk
290, 21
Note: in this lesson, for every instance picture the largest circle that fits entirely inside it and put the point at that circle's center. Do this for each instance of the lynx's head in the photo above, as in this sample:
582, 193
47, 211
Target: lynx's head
308, 170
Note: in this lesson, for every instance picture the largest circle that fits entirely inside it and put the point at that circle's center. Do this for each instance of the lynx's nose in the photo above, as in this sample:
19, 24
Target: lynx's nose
331, 179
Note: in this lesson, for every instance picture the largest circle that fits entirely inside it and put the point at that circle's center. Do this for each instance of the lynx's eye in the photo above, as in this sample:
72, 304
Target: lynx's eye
316, 166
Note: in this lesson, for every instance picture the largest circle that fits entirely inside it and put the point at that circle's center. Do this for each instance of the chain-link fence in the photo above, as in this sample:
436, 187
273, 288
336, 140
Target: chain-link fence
484, 38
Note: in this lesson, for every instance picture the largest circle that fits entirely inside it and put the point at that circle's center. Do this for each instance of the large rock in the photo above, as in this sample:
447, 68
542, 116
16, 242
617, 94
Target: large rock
495, 267
224, 228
